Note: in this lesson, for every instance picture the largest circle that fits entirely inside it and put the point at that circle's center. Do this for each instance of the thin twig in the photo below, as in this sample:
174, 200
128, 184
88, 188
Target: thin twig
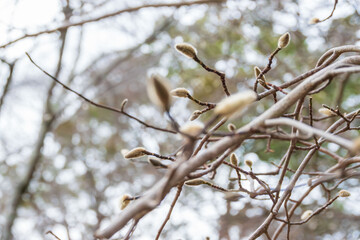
113, 109
220, 74
178, 192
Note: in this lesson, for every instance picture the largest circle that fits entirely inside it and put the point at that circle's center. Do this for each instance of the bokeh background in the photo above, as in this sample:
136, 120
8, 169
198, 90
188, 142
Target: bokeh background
73, 149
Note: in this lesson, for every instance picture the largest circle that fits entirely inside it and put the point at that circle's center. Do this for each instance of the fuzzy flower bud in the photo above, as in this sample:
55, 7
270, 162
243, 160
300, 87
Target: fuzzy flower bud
344, 193
136, 153
195, 182
195, 115
234, 159
186, 49
156, 162
125, 200
306, 214
159, 91
326, 112
314, 20
257, 72
124, 102
180, 92
231, 127
284, 40
234, 105
192, 128
249, 163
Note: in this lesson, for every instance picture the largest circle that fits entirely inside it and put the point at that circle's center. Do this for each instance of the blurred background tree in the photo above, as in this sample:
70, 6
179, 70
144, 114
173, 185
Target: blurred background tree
61, 167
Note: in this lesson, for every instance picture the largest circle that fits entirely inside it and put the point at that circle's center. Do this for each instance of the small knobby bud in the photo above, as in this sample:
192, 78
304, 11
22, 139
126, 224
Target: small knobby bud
231, 127
249, 163
125, 200
344, 193
124, 103
314, 20
136, 153
186, 49
180, 92
195, 182
257, 72
156, 162
326, 112
159, 91
284, 40
195, 115
306, 214
192, 128
233, 159
234, 105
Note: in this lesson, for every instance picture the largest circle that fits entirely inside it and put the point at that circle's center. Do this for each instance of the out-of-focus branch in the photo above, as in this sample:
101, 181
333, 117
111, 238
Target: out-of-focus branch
111, 15
178, 192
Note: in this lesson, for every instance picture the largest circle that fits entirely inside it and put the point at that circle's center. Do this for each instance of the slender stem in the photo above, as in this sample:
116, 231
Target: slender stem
178, 192
220, 74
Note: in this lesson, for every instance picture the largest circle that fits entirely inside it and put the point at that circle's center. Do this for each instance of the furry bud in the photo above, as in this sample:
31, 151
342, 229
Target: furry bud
344, 193
195, 182
186, 49
314, 20
125, 200
192, 128
136, 153
234, 159
195, 115
124, 103
249, 163
326, 112
159, 91
180, 92
231, 127
306, 214
284, 40
234, 105
257, 72
156, 162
